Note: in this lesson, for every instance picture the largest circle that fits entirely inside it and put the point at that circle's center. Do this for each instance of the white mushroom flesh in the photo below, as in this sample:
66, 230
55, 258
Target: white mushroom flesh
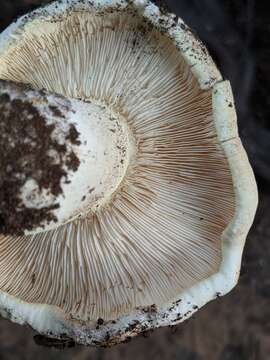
160, 230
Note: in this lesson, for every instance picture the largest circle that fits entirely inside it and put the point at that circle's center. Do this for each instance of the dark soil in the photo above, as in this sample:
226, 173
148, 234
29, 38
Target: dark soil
25, 142
237, 326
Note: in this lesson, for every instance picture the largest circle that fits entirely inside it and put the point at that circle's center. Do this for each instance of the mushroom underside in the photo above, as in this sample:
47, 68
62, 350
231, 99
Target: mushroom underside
160, 233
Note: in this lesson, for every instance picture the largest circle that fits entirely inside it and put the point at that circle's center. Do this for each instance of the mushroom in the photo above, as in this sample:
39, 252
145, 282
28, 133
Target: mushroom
150, 223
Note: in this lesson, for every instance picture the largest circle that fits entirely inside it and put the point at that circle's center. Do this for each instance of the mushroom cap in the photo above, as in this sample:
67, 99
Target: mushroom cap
171, 238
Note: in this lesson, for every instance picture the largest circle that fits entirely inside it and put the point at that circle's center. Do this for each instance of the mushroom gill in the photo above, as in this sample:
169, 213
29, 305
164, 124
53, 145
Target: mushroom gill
161, 231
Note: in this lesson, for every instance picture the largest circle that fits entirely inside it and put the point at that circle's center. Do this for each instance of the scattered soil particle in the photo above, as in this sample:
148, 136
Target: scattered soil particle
56, 112
73, 136
100, 321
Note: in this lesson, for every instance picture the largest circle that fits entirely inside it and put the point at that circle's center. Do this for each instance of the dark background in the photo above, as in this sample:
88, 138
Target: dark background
236, 327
